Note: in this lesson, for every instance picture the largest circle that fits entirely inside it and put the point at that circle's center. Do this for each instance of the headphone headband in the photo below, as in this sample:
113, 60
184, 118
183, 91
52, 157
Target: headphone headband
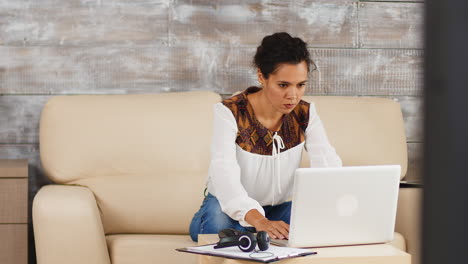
246, 241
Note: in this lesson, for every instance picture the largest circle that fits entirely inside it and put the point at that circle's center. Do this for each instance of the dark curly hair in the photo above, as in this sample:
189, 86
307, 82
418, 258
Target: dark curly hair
280, 48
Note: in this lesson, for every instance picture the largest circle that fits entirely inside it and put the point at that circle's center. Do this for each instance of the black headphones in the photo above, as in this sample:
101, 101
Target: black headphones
246, 241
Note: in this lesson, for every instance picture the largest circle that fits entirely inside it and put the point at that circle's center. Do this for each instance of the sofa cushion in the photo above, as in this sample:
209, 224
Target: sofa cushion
89, 136
159, 203
144, 156
363, 130
151, 249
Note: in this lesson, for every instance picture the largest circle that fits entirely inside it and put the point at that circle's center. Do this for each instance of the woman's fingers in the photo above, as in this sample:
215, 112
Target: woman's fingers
275, 229
278, 229
283, 229
276, 234
286, 226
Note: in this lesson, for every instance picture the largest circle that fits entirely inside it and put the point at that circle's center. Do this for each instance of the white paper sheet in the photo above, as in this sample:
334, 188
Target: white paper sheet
276, 252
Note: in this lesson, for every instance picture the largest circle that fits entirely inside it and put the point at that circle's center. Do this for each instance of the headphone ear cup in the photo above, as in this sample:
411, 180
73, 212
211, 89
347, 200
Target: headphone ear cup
263, 240
247, 242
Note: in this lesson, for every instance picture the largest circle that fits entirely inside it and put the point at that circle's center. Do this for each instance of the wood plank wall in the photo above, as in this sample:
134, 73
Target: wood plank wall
52, 47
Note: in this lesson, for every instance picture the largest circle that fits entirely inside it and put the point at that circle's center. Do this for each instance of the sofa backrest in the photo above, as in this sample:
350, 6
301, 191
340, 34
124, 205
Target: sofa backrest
146, 157
363, 130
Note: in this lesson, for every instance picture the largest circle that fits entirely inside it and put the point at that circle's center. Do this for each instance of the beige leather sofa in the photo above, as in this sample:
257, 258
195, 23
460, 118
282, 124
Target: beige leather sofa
130, 170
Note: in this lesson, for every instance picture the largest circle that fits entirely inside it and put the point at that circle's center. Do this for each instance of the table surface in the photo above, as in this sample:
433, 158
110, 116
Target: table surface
362, 254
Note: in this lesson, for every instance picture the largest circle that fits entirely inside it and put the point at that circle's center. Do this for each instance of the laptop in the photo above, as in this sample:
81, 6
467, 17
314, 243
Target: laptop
343, 206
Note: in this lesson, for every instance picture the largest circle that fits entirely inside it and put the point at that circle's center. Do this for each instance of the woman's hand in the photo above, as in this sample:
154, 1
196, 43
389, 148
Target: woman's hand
275, 229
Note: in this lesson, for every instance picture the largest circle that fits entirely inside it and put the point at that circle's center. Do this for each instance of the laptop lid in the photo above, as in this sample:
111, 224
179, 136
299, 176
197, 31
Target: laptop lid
344, 206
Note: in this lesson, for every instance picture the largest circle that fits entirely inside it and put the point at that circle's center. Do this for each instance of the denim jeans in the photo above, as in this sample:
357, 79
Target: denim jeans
210, 219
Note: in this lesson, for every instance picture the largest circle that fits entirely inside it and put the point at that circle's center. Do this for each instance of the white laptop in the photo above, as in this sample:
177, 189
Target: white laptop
343, 206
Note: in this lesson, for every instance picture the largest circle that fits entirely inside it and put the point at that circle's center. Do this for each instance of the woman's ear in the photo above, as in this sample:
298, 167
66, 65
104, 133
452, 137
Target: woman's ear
261, 79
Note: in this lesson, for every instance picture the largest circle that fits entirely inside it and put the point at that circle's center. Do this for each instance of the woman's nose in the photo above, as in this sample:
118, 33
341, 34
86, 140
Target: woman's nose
292, 93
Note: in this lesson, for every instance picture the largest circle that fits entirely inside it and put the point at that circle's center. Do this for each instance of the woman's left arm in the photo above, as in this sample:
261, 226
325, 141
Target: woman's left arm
321, 152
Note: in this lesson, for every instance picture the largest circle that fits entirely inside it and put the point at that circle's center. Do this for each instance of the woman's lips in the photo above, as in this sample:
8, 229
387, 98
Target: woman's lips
289, 106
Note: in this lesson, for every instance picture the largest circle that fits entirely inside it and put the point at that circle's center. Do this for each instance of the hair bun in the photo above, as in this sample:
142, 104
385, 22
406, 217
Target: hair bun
280, 48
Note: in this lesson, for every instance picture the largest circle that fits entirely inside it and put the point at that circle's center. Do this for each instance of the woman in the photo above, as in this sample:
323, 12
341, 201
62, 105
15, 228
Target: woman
257, 143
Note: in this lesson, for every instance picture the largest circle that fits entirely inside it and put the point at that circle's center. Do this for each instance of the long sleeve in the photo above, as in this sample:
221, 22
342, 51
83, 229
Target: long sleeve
321, 152
224, 179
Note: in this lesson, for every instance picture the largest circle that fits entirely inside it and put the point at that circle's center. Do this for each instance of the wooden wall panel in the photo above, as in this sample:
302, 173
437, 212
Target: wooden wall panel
413, 115
220, 69
391, 25
367, 72
230, 23
340, 71
83, 23
111, 70
64, 70
415, 162
384, 72
413, 1
19, 118
70, 70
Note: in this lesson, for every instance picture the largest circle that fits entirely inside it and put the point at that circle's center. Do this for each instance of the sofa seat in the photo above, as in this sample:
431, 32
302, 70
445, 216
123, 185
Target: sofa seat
152, 249
142, 249
398, 242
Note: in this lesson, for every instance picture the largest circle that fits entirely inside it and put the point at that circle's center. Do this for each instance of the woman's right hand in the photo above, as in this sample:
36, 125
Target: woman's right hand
275, 229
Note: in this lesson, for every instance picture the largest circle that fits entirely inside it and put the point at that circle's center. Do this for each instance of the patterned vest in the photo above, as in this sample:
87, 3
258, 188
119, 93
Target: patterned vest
253, 137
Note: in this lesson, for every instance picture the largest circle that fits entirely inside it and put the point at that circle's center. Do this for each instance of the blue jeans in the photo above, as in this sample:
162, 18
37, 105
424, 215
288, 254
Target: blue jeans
210, 219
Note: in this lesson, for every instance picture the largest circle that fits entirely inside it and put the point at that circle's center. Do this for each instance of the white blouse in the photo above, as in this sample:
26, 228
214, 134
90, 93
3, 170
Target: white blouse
242, 181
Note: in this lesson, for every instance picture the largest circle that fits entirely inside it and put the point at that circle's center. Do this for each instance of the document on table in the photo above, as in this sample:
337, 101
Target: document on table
273, 253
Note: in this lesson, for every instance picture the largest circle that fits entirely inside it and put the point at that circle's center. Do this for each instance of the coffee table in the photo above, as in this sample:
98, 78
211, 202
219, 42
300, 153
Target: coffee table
363, 254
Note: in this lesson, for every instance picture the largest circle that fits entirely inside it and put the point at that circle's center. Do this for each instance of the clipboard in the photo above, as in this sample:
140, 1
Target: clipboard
278, 253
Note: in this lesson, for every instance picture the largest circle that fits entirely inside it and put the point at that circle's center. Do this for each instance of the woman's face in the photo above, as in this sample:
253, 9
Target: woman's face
285, 87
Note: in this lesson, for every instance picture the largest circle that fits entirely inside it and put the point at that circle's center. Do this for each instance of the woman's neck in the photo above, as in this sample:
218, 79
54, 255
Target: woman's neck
264, 111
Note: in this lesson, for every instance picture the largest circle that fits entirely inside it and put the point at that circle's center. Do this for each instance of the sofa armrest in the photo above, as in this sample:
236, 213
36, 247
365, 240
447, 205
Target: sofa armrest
408, 219
68, 227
